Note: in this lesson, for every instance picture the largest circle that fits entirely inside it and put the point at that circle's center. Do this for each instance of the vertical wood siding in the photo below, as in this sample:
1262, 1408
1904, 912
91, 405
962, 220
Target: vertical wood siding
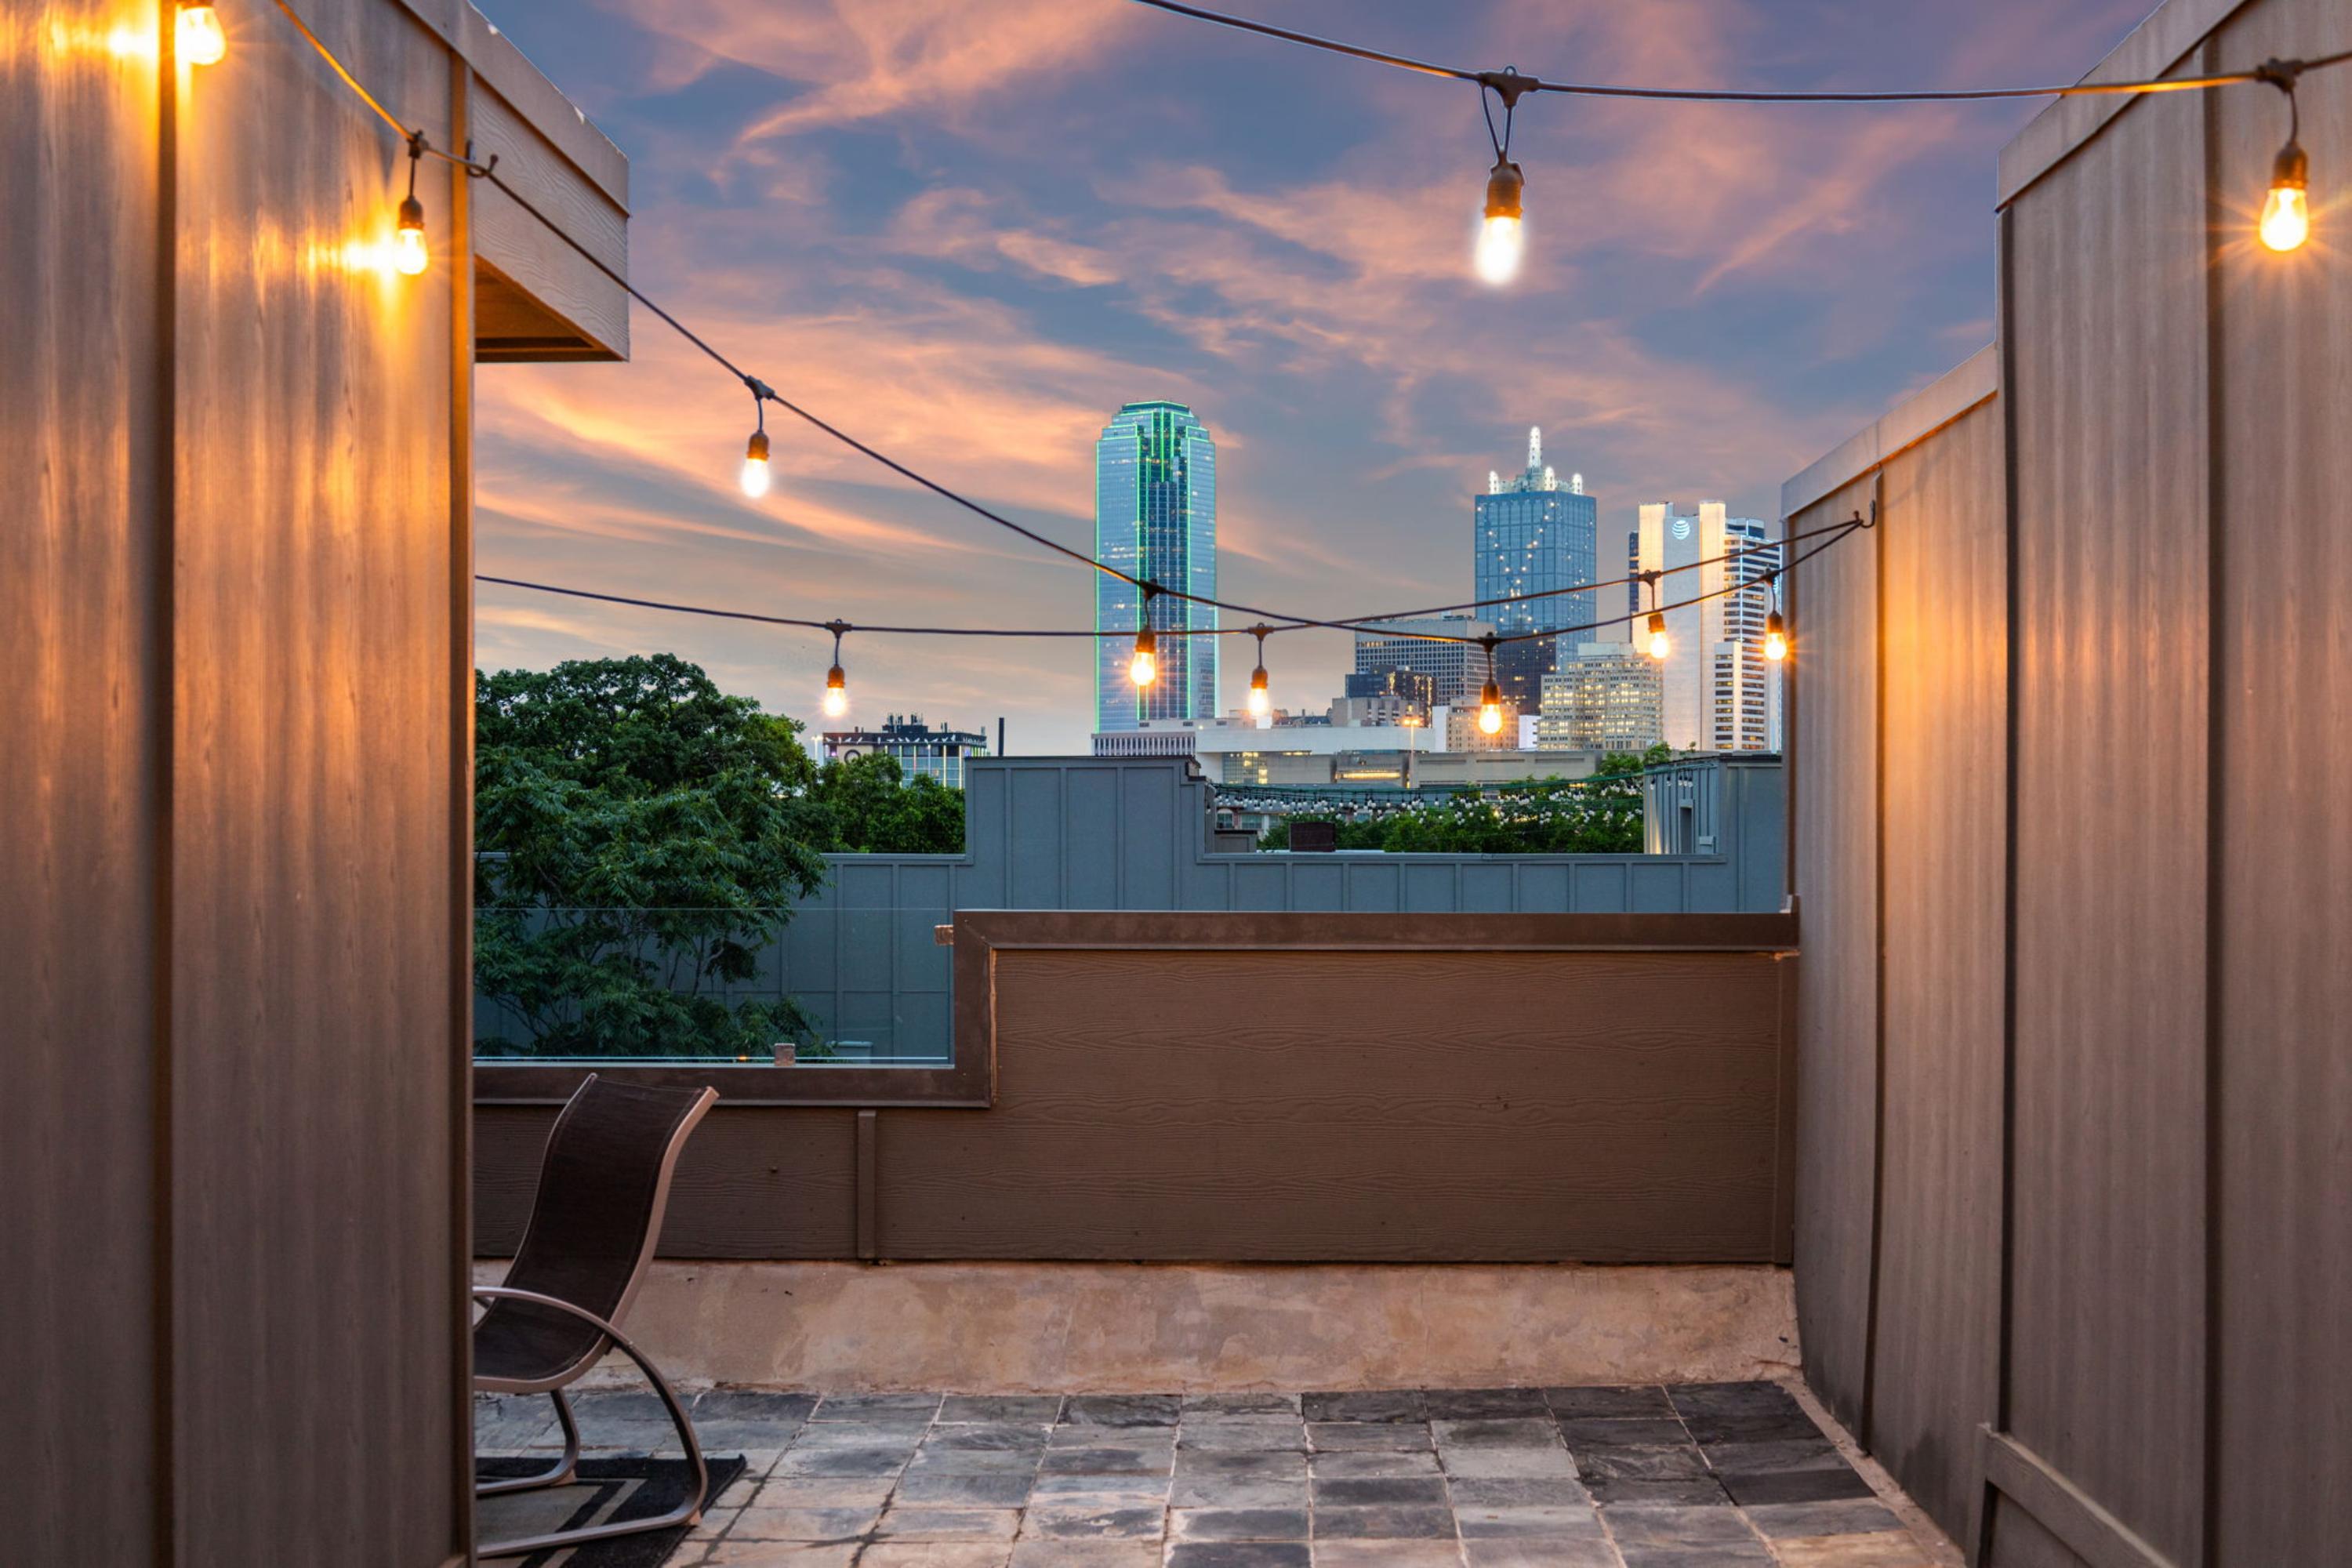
83, 544
2282, 1427
1833, 620
312, 809
2166, 1101
1942, 530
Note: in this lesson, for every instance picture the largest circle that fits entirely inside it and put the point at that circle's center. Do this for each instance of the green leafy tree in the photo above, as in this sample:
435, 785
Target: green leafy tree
871, 807
642, 837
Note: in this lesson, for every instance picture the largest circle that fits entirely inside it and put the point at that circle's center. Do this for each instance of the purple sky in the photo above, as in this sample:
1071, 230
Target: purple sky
968, 230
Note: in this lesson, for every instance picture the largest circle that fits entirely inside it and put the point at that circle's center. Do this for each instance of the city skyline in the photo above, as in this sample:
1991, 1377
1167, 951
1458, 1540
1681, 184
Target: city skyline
840, 196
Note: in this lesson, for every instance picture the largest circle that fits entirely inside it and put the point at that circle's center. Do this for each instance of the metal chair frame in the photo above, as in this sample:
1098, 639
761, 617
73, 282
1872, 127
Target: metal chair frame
688, 1512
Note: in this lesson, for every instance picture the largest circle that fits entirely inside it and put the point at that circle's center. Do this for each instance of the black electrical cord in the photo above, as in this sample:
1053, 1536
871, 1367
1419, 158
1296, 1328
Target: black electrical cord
1511, 83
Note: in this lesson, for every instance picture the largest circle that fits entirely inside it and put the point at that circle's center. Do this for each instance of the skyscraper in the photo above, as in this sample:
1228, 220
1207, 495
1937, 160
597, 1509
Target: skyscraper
1456, 669
1720, 693
1604, 696
1533, 534
1155, 516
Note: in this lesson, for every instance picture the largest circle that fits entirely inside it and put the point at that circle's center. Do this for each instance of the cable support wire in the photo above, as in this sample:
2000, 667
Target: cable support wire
1509, 83
1837, 531
486, 171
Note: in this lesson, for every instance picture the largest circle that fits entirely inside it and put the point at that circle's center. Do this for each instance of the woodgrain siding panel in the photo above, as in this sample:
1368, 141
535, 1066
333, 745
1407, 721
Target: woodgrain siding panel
314, 822
2108, 287
1834, 619
84, 547
1944, 531
1328, 1105
2283, 1427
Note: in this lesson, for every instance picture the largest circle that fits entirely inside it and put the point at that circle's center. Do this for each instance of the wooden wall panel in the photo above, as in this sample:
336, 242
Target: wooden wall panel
2106, 283
314, 976
1833, 619
1943, 529
83, 546
2283, 1244
1303, 1105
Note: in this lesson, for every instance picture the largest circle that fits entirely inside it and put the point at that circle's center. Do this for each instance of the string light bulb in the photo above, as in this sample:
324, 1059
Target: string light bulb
1490, 696
2286, 222
1501, 239
1143, 669
2286, 211
755, 466
1776, 638
837, 683
409, 253
1261, 701
199, 39
1660, 645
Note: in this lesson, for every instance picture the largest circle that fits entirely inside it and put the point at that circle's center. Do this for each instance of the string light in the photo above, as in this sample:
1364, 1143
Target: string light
2286, 212
1143, 667
199, 39
1490, 696
1776, 638
1500, 237
409, 253
1261, 701
755, 452
2286, 222
837, 683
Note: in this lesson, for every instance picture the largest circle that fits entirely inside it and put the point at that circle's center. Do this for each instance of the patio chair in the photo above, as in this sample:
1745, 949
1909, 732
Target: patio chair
603, 1186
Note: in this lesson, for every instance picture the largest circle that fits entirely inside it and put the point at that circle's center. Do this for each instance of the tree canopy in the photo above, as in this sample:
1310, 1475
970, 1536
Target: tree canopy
642, 837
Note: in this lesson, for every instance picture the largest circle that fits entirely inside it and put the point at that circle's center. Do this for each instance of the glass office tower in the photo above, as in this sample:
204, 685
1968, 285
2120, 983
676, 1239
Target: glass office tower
1156, 516
1533, 533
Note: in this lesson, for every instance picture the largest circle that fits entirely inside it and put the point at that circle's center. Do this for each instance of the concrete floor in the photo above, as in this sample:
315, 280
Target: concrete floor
1620, 1477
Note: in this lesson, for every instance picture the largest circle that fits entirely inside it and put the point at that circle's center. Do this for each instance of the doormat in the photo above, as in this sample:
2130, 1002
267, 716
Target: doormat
606, 1491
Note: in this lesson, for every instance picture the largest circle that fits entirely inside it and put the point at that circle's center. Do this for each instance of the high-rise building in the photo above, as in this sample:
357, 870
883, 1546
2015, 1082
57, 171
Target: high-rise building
923, 751
1720, 692
1602, 697
1155, 516
1533, 533
1456, 669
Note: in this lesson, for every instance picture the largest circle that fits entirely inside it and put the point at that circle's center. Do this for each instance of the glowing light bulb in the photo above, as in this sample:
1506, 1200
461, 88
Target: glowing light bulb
201, 41
2286, 212
755, 466
1144, 668
1500, 240
1490, 709
836, 693
1261, 701
1660, 645
1776, 638
409, 253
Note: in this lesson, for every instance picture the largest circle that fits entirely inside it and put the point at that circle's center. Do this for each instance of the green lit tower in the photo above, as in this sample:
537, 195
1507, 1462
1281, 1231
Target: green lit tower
1155, 516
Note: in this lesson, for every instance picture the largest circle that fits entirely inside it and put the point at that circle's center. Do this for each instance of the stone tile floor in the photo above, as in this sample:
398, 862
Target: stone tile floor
1643, 1477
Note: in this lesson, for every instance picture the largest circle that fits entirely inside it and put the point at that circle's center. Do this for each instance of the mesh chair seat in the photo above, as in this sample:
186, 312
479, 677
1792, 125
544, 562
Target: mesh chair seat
516, 1342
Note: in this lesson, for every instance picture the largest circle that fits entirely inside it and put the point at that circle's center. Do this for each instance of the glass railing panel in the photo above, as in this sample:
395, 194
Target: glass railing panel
814, 985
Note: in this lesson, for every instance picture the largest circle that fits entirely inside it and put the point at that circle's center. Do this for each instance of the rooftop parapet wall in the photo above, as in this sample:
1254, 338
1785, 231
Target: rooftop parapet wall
1094, 833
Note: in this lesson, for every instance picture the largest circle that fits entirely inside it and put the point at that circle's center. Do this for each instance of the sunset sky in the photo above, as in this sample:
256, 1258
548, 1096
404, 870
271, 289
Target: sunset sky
968, 230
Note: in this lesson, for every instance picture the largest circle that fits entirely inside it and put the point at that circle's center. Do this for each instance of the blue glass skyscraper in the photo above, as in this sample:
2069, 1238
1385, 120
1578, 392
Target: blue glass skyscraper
1156, 516
1533, 534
